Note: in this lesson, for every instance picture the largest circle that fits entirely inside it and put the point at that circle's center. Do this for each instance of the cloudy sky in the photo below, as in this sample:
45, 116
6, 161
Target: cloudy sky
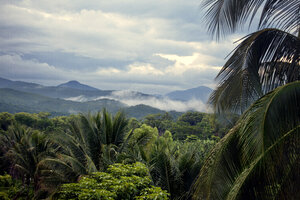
150, 46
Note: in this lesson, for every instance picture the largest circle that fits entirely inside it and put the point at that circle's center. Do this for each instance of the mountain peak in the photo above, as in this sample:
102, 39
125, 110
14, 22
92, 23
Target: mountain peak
73, 82
77, 85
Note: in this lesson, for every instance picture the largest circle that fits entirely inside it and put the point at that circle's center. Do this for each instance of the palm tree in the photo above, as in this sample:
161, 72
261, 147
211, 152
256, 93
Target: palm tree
260, 157
88, 145
163, 165
26, 149
264, 59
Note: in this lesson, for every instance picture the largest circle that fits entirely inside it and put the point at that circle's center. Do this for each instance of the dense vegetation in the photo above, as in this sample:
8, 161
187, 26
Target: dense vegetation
259, 157
100, 156
89, 156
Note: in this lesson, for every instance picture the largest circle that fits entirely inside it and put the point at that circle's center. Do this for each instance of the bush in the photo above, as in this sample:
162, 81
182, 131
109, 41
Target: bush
120, 182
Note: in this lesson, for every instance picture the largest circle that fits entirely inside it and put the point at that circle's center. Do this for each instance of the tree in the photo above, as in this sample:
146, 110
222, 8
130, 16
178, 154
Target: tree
6, 119
25, 150
120, 182
160, 121
191, 117
89, 145
264, 59
13, 189
173, 164
259, 158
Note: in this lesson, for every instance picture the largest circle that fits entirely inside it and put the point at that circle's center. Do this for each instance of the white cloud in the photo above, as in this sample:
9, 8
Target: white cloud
150, 46
13, 66
168, 105
131, 98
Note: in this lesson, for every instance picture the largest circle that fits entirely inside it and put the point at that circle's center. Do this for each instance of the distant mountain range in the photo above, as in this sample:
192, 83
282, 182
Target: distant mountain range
66, 90
14, 101
74, 97
201, 93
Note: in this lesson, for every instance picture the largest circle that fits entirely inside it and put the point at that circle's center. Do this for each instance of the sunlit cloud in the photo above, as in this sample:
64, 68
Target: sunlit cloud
153, 46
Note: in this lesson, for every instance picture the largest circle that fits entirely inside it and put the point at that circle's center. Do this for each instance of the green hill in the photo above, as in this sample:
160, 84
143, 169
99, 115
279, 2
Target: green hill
14, 101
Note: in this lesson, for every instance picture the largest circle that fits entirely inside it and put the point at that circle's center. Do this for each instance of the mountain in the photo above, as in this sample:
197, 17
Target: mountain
66, 90
141, 110
77, 85
14, 101
76, 92
5, 83
200, 93
72, 90
28, 102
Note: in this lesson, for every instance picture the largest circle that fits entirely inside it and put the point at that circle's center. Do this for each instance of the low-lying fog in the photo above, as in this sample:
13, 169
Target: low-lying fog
131, 98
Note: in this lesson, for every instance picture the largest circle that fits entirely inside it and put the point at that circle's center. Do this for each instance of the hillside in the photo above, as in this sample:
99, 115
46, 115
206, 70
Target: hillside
14, 101
74, 92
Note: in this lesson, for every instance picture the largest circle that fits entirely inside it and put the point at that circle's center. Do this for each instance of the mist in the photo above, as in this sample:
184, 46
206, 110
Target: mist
132, 98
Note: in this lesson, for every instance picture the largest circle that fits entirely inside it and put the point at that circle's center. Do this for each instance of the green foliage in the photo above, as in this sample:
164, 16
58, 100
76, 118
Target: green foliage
12, 189
175, 164
263, 60
6, 119
143, 135
5, 180
133, 123
137, 143
91, 143
70, 148
202, 125
26, 119
14, 101
191, 117
258, 158
160, 121
119, 182
152, 193
39, 121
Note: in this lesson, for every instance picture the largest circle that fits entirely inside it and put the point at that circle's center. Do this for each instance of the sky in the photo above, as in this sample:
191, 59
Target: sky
152, 46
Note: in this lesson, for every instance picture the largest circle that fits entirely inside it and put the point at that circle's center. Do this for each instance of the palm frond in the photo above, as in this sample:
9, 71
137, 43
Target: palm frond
281, 14
221, 164
262, 149
119, 128
107, 127
225, 16
92, 136
59, 169
263, 61
271, 176
163, 166
267, 119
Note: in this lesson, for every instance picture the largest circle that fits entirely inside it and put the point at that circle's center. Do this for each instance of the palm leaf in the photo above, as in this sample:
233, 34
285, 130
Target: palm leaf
225, 16
263, 61
273, 183
119, 128
255, 159
59, 169
92, 137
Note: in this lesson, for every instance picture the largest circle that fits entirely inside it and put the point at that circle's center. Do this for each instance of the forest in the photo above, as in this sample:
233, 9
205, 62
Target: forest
248, 148
101, 156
